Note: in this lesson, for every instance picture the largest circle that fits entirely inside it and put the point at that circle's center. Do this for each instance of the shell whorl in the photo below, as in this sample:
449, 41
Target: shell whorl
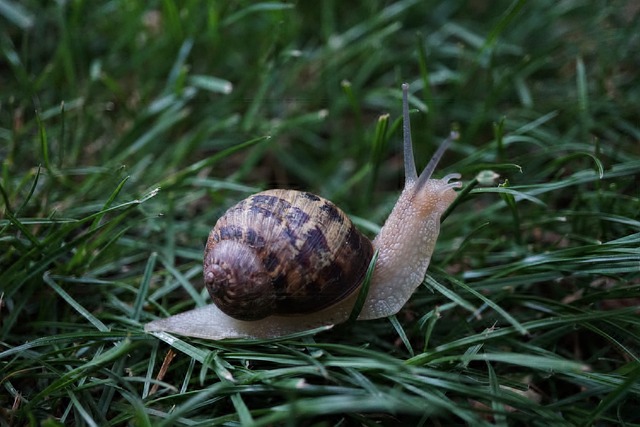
238, 281
309, 251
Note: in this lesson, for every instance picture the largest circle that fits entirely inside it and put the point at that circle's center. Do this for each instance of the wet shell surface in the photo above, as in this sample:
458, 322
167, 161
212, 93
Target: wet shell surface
283, 252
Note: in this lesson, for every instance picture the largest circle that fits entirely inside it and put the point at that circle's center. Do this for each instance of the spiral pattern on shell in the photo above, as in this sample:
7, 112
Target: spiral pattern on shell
283, 252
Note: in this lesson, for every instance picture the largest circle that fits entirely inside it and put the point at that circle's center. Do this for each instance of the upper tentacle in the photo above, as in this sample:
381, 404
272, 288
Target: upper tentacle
431, 166
410, 173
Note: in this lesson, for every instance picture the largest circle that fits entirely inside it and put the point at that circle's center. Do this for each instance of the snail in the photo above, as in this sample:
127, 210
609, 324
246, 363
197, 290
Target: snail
285, 261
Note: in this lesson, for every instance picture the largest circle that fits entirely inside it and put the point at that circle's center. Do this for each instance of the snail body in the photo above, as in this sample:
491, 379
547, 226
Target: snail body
285, 261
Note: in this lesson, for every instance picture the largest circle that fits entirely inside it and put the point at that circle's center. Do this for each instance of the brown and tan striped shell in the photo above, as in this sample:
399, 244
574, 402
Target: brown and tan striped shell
283, 252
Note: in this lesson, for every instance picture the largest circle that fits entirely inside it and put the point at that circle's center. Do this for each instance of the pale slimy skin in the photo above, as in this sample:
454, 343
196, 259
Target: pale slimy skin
405, 244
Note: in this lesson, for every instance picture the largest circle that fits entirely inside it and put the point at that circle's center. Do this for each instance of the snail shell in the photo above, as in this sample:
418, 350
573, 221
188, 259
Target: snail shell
283, 252
297, 259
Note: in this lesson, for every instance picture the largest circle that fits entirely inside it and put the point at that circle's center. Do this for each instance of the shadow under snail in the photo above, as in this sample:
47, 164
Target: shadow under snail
285, 261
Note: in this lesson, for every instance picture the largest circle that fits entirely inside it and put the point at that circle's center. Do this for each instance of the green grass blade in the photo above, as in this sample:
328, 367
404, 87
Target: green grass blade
76, 306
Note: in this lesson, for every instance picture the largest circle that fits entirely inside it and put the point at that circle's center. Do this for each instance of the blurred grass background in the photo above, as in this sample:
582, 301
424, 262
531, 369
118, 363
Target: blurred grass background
127, 128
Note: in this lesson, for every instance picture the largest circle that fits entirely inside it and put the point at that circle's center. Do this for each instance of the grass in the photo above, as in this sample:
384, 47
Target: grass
127, 128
